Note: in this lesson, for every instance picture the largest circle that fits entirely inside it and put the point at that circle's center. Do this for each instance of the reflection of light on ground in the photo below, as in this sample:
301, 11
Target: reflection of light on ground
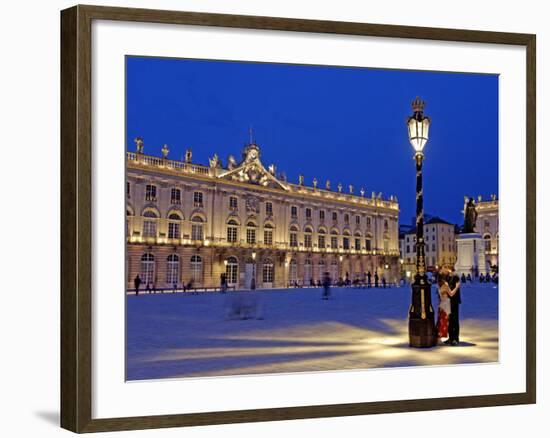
173, 335
334, 346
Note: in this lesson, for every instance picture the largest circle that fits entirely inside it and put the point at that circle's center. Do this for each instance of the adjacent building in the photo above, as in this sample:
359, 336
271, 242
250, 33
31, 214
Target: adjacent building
189, 223
440, 246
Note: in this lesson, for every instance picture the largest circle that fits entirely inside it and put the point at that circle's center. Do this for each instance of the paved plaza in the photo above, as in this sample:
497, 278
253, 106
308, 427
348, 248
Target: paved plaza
294, 330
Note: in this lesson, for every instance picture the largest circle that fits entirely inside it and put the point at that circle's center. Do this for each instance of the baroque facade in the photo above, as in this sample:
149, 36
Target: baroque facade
487, 225
189, 223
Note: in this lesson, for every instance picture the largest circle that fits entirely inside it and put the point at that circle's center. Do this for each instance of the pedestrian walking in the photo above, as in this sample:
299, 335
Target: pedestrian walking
137, 283
326, 286
369, 275
376, 279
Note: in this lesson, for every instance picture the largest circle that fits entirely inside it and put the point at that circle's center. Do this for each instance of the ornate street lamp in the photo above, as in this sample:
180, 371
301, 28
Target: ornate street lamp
422, 331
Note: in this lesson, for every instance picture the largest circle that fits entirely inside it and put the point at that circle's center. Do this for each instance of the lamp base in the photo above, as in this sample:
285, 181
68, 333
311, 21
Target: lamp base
422, 333
422, 330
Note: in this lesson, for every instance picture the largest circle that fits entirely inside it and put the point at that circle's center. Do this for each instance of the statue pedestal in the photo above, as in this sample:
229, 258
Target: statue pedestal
470, 255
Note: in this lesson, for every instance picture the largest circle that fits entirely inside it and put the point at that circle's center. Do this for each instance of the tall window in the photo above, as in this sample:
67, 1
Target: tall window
147, 268
293, 236
268, 271
307, 272
334, 216
345, 242
232, 231
150, 219
368, 246
172, 269
197, 228
385, 225
268, 234
357, 244
174, 226
368, 222
358, 220
233, 202
292, 272
175, 196
268, 208
333, 240
196, 269
294, 212
322, 215
232, 270
197, 199
308, 213
307, 238
321, 239
346, 218
150, 192
251, 233
128, 189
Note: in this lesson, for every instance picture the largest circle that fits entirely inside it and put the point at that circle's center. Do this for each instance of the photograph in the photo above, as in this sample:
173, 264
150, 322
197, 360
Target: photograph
300, 218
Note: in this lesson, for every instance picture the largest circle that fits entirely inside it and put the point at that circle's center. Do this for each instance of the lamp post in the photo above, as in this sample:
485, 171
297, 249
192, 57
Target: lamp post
422, 331
253, 282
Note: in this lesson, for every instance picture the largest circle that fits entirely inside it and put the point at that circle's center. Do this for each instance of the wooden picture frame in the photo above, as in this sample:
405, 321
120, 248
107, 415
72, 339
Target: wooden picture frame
76, 217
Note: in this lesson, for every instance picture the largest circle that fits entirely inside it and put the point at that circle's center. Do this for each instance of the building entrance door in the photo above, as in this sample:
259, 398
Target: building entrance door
248, 274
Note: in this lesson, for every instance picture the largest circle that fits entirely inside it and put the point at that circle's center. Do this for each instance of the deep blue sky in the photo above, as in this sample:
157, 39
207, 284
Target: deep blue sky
337, 123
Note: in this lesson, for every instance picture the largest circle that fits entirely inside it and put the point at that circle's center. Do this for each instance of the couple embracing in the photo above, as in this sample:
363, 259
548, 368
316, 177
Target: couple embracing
448, 325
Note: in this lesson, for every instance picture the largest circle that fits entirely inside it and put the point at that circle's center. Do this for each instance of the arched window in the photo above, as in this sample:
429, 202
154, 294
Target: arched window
334, 238
368, 243
197, 228
251, 233
292, 272
345, 239
232, 231
232, 270
268, 271
321, 239
147, 268
357, 243
307, 237
196, 269
268, 234
172, 269
307, 272
293, 236
174, 220
150, 219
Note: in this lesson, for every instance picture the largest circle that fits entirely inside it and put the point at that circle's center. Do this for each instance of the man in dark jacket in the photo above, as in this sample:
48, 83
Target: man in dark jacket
454, 317
137, 283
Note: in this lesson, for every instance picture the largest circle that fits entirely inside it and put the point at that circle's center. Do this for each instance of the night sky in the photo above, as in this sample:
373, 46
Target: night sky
338, 123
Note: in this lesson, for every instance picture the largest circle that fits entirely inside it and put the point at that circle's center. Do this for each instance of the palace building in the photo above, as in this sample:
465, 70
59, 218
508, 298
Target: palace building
189, 222
487, 226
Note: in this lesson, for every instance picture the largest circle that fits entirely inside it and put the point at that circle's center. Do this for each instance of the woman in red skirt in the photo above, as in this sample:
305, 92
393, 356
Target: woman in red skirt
444, 308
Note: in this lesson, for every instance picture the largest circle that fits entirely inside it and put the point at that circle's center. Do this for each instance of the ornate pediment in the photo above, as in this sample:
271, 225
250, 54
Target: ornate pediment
251, 170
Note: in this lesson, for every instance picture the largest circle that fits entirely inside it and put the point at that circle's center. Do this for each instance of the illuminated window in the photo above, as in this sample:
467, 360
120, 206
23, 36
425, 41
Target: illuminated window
172, 269
175, 196
197, 199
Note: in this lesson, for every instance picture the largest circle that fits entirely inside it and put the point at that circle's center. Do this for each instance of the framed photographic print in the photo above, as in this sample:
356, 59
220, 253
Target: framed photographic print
270, 218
